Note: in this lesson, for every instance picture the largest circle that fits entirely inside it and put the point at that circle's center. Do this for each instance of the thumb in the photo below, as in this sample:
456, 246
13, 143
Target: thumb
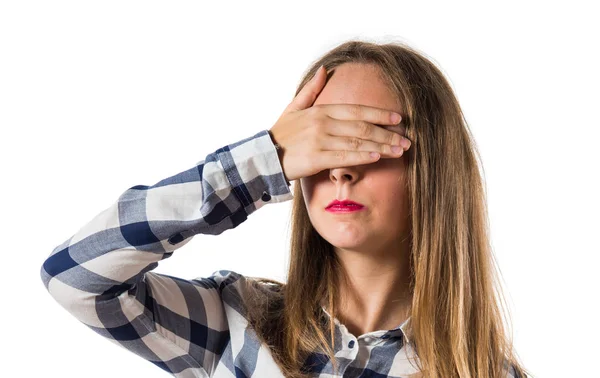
308, 93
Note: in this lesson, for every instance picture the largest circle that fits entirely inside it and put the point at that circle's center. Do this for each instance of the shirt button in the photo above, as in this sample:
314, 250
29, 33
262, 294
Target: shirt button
266, 197
176, 238
351, 344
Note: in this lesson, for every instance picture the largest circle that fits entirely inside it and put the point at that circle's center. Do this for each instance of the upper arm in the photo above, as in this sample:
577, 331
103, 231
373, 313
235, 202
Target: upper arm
174, 323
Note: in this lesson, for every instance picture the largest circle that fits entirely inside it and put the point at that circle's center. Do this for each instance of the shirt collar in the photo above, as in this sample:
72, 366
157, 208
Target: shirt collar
404, 327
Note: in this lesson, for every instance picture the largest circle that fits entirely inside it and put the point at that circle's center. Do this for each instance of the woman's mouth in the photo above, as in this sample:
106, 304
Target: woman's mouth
344, 207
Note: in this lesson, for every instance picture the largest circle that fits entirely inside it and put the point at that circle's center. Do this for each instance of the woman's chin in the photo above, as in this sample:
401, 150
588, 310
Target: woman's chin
348, 235
349, 242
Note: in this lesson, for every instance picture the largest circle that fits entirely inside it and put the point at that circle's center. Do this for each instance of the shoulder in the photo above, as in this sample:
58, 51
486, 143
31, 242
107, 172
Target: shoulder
236, 289
513, 372
222, 279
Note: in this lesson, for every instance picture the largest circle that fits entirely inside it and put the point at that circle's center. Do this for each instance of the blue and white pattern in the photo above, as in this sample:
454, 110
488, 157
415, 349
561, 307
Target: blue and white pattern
194, 328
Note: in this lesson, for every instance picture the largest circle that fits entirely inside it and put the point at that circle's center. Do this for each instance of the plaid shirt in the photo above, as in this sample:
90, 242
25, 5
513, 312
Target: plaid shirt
103, 275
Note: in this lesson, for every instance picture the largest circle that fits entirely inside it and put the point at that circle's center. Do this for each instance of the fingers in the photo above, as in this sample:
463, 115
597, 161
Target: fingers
391, 135
345, 158
334, 143
308, 94
361, 112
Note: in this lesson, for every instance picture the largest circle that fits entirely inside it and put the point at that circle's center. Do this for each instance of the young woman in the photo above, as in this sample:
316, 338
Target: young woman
395, 279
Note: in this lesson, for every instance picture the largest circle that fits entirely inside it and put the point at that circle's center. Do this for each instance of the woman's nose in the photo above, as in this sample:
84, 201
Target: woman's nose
343, 174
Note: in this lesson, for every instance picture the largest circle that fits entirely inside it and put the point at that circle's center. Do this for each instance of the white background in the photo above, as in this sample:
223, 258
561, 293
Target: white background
96, 97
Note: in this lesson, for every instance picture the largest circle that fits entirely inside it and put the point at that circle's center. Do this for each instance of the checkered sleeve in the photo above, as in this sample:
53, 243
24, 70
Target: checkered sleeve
103, 274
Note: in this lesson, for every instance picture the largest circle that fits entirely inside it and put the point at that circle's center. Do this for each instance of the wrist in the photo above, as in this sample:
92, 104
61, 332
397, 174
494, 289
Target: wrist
279, 154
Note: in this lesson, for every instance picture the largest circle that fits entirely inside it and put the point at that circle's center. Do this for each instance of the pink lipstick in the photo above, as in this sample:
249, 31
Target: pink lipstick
344, 206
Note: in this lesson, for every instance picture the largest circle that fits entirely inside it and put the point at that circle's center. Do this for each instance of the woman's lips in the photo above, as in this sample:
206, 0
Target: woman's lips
344, 208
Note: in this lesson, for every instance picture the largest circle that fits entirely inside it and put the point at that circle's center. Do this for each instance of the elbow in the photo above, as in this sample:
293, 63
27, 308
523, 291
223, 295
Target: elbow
61, 282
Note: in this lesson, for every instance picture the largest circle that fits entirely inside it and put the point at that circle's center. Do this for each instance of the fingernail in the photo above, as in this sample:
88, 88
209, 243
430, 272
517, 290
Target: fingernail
396, 117
405, 143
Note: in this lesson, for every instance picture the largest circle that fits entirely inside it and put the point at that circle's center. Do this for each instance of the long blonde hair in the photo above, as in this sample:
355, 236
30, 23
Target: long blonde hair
456, 320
